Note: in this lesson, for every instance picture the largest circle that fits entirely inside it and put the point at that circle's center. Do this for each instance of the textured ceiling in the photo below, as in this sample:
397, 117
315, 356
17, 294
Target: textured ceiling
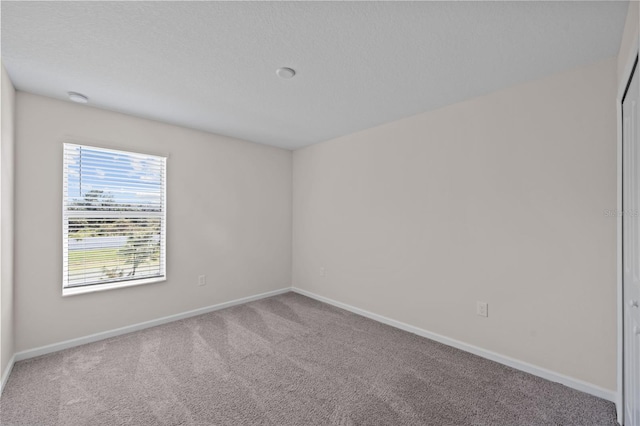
211, 65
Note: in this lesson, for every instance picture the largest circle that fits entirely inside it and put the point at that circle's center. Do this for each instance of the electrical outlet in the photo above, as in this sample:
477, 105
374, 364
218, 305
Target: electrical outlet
323, 271
202, 280
482, 309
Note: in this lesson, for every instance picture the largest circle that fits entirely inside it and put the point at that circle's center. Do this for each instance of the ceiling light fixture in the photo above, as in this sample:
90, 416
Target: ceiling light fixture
78, 97
285, 72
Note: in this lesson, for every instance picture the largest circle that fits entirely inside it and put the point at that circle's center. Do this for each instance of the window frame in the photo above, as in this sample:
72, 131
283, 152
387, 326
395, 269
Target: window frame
117, 282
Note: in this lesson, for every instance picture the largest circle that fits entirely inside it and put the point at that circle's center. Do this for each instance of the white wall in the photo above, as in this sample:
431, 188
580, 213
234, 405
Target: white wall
500, 198
228, 217
628, 45
6, 221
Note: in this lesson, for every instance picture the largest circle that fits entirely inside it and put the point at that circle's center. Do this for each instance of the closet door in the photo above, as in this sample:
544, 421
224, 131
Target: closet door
631, 251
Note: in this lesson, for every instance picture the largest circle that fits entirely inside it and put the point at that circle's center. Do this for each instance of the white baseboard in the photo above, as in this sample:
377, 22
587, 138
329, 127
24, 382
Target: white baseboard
511, 362
580, 385
55, 347
6, 373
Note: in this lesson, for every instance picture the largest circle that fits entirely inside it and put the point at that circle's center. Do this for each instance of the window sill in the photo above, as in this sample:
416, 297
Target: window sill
72, 291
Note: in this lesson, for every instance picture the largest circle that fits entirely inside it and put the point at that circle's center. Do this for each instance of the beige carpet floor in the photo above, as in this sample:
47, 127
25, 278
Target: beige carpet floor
286, 360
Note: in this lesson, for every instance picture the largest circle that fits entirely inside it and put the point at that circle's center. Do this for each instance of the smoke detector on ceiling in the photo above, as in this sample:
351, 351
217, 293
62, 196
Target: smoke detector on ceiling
78, 97
285, 72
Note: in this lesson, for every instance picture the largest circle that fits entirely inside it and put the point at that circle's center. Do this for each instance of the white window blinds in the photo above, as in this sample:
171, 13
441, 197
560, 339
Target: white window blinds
113, 217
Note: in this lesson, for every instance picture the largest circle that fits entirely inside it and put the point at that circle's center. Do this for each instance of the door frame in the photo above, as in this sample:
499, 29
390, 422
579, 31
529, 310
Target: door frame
622, 88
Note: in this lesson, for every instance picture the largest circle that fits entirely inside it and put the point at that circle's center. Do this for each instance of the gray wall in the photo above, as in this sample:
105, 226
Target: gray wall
500, 198
628, 44
6, 221
228, 217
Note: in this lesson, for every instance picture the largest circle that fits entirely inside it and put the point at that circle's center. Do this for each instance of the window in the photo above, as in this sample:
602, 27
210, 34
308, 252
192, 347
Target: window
113, 219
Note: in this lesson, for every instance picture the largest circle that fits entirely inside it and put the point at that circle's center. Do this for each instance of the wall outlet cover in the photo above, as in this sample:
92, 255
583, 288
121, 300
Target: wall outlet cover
482, 309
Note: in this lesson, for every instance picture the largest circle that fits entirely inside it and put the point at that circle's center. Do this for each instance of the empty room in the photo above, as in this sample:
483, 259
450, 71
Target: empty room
320, 213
